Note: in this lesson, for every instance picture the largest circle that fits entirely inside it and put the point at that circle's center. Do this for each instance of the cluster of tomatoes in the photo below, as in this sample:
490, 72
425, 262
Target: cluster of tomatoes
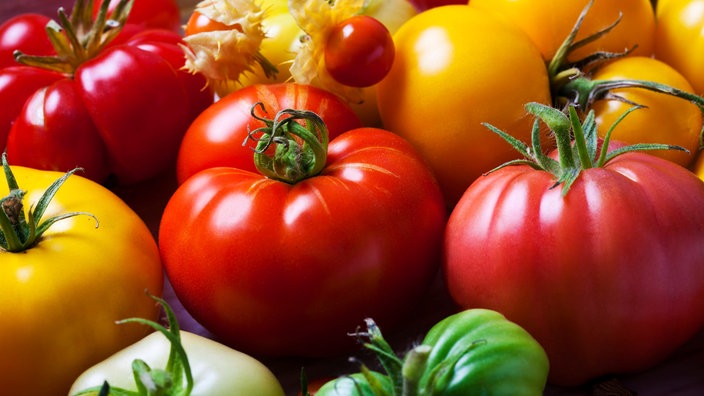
330, 160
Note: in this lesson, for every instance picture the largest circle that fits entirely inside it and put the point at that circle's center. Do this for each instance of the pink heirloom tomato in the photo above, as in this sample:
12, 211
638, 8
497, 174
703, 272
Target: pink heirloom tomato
598, 256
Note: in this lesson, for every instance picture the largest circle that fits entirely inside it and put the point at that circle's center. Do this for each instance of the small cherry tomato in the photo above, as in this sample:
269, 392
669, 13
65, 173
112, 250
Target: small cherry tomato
359, 51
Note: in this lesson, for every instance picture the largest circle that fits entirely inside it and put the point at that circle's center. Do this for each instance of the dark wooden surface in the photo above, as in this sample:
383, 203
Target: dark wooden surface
680, 375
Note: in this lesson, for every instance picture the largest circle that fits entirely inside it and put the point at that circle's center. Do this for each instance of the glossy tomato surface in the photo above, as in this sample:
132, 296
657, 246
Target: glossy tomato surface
217, 137
608, 278
679, 38
448, 78
548, 23
62, 296
26, 33
273, 268
665, 119
121, 116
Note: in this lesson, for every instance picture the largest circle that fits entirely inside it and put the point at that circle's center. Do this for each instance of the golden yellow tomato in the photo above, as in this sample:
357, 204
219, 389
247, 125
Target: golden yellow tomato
549, 22
61, 296
457, 67
666, 119
679, 38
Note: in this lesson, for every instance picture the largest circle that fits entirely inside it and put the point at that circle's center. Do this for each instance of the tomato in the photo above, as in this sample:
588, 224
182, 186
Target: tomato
318, 23
447, 79
359, 51
548, 23
678, 37
666, 118
120, 111
423, 5
286, 264
20, 82
24, 32
604, 270
153, 14
698, 167
476, 351
62, 294
193, 364
216, 136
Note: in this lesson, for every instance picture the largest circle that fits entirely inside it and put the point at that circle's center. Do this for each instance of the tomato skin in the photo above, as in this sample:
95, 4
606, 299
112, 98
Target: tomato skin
359, 51
217, 370
431, 99
679, 38
19, 82
423, 5
608, 278
24, 32
59, 303
216, 136
139, 105
151, 14
295, 267
548, 23
666, 119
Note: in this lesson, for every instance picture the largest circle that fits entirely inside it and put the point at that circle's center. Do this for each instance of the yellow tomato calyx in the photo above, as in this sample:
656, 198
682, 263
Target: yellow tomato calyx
17, 232
222, 56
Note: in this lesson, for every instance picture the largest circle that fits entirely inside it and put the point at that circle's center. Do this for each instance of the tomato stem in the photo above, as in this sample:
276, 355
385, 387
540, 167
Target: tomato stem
79, 37
19, 233
575, 138
299, 149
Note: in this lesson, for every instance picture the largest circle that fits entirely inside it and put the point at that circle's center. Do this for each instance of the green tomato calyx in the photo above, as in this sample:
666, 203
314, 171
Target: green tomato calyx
79, 37
20, 231
577, 143
571, 81
290, 147
175, 379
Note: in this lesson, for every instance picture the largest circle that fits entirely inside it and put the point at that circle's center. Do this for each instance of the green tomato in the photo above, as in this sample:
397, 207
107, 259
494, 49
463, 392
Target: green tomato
473, 352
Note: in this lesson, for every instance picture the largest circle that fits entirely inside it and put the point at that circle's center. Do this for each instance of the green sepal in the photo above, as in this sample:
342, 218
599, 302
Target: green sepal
20, 231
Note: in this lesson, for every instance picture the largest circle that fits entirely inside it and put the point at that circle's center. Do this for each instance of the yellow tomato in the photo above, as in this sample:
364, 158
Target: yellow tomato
61, 297
679, 38
549, 22
456, 67
666, 119
280, 45
698, 168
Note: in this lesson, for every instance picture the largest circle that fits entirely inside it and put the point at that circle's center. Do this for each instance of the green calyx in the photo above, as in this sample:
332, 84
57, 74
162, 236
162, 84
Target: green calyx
20, 231
571, 85
576, 140
79, 37
287, 149
175, 379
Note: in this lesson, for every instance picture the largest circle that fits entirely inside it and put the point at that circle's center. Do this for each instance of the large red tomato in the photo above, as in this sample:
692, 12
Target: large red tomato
216, 136
289, 268
608, 276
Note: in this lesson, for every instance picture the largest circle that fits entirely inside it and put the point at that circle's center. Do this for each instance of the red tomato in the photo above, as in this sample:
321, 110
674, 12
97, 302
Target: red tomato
423, 5
359, 51
120, 114
24, 32
19, 83
215, 138
608, 277
153, 14
284, 269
